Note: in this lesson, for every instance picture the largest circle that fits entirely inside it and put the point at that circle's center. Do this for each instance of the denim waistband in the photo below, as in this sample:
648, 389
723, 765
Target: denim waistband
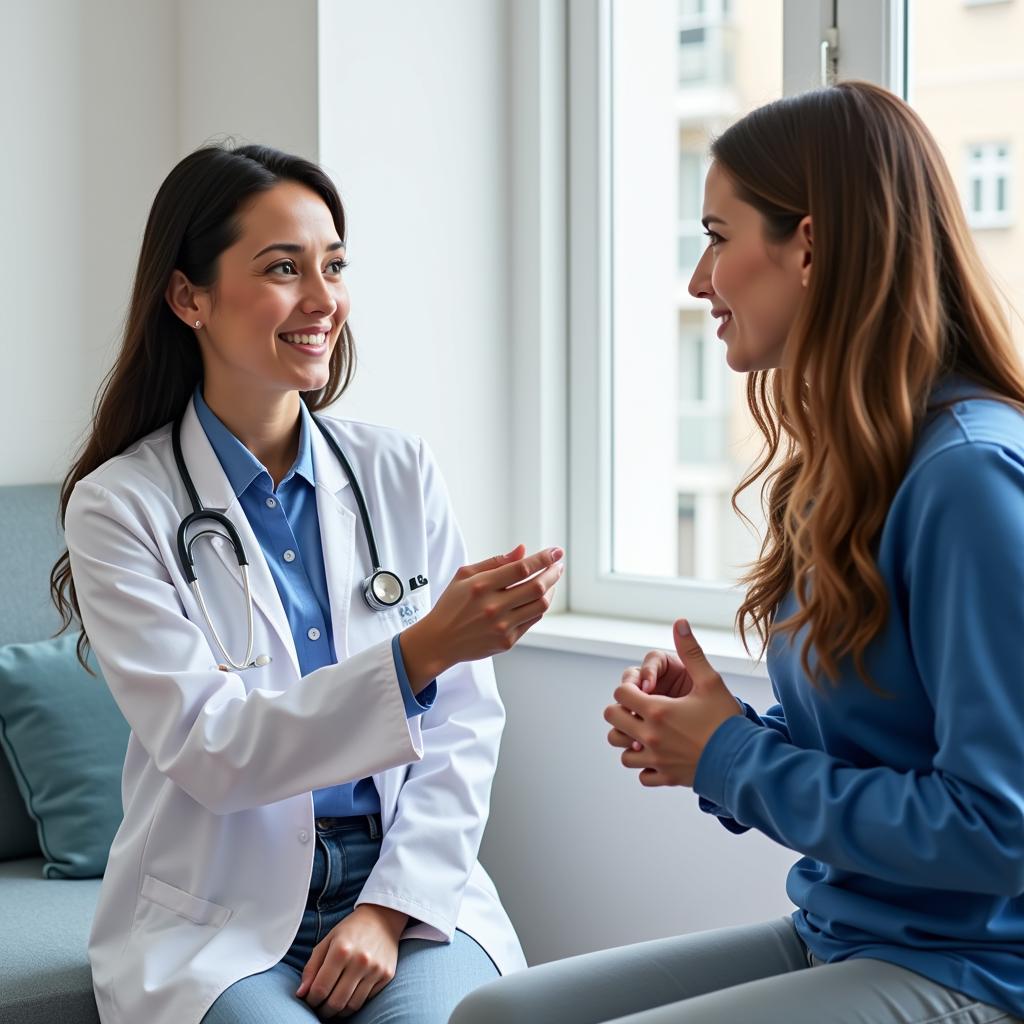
368, 823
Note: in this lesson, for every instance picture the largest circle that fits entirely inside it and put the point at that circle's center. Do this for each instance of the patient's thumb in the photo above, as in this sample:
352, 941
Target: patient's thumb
691, 652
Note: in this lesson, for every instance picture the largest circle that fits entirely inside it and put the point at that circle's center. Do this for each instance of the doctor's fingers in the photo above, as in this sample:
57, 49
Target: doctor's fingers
523, 618
365, 991
517, 634
494, 562
534, 595
516, 572
341, 999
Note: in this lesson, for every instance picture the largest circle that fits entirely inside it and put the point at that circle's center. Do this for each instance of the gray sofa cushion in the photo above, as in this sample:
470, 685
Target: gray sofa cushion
65, 741
18, 837
44, 970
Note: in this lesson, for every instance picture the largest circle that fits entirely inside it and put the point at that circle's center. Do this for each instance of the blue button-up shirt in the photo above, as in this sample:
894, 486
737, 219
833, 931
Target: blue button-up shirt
287, 526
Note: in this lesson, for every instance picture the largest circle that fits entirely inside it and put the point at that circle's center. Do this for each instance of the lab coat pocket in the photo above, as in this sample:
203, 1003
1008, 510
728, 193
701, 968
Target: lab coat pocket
179, 902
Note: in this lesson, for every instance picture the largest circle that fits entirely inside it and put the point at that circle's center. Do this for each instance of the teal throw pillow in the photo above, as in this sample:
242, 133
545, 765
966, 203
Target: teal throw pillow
65, 740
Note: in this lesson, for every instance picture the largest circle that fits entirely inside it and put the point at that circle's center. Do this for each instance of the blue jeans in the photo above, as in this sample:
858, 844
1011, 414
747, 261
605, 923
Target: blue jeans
430, 979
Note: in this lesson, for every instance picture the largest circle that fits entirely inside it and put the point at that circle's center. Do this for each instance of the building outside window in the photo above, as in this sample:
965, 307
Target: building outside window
987, 192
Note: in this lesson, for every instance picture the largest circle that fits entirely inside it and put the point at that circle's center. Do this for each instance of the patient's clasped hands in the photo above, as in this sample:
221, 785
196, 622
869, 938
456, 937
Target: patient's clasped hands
666, 710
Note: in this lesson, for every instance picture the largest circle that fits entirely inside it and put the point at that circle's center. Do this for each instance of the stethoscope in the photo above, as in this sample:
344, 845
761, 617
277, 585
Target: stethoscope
382, 589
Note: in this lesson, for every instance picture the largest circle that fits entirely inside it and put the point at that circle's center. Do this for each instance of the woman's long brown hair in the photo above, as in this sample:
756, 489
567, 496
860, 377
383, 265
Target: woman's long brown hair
897, 299
194, 218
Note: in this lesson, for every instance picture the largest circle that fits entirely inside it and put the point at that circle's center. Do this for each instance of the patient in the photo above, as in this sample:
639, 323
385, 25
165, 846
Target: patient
889, 595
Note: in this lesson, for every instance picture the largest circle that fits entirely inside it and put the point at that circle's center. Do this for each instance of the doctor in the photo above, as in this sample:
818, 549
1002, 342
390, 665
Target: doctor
315, 723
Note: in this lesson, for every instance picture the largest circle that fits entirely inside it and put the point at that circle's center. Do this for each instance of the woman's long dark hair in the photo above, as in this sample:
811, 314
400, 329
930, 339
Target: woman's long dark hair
194, 218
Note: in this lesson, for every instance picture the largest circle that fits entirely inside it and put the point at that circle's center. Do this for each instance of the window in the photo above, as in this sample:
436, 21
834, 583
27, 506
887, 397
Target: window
706, 55
692, 168
687, 519
662, 436
988, 185
964, 79
659, 434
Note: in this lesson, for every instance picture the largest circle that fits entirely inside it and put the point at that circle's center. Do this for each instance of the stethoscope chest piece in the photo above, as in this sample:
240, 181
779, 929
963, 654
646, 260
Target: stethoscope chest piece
382, 590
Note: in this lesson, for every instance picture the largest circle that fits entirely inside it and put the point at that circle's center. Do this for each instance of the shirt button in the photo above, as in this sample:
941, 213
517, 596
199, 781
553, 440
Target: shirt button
271, 503
313, 633
303, 836
289, 555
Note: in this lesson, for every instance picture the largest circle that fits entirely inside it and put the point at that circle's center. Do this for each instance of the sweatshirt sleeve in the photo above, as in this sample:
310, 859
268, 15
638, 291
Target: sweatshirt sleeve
773, 718
959, 822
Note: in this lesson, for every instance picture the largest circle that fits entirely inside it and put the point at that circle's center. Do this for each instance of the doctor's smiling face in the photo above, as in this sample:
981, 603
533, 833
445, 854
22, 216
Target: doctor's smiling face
273, 314
755, 285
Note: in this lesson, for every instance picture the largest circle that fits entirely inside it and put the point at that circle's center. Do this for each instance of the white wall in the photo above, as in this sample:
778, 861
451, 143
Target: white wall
247, 69
87, 123
110, 94
413, 128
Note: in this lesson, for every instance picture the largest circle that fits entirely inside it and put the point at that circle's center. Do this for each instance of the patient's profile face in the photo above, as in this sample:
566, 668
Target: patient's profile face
755, 287
279, 301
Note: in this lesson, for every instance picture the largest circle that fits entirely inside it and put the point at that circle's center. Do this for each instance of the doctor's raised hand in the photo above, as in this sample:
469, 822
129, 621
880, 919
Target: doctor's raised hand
667, 709
485, 610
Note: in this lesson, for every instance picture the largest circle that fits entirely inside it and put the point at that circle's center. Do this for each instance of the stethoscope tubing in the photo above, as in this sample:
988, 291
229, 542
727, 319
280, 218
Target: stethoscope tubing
200, 513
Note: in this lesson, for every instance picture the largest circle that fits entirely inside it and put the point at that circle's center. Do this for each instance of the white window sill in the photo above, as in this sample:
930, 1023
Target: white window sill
995, 222
629, 640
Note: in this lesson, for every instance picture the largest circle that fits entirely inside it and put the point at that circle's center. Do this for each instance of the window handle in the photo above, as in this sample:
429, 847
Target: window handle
830, 56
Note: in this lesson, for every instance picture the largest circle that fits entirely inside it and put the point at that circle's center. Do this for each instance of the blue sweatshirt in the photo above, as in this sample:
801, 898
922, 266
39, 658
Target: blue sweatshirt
908, 809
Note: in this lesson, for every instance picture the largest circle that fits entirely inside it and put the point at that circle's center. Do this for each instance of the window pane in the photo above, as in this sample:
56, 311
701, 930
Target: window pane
691, 185
977, 204
687, 535
965, 80
681, 437
691, 361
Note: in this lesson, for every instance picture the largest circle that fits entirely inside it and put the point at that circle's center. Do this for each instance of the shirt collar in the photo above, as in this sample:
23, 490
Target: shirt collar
239, 464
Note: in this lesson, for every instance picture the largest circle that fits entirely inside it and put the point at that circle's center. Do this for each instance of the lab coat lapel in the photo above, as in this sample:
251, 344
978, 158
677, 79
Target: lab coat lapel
215, 492
338, 526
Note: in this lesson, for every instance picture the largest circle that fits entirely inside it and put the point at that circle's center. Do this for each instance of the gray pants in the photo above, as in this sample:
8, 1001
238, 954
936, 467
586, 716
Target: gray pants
754, 973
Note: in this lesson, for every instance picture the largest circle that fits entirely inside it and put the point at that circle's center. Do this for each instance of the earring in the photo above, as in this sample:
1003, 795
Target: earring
198, 325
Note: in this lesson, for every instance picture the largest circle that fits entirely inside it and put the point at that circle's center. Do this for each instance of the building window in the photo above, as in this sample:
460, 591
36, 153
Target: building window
988, 185
687, 528
702, 424
705, 43
691, 201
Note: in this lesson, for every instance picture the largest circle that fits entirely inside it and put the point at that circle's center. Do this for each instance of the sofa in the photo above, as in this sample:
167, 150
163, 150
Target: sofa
44, 922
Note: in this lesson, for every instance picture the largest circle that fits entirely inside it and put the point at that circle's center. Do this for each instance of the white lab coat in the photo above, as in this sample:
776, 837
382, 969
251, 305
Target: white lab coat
208, 873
